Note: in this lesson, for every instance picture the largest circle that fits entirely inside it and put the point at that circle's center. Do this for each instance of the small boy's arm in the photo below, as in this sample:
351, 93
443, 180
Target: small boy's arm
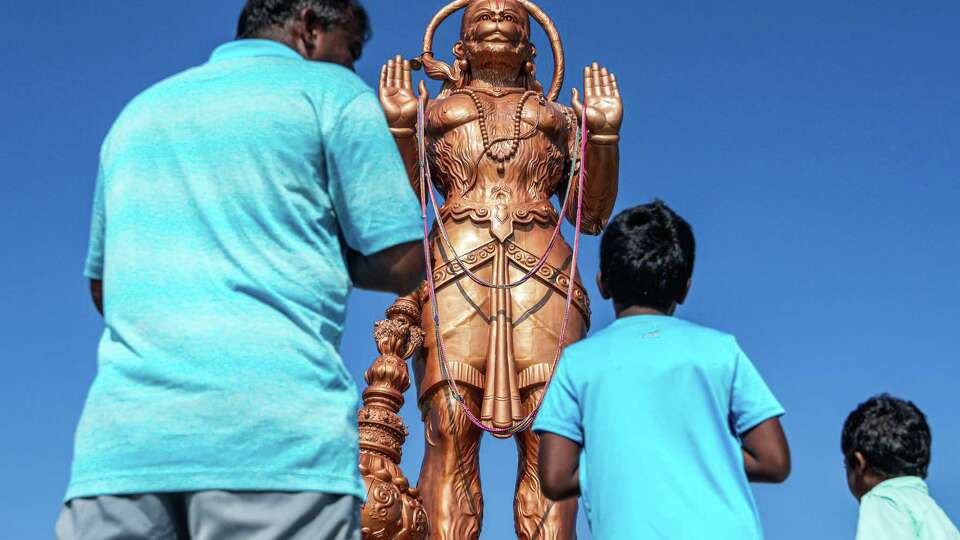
766, 454
96, 293
559, 466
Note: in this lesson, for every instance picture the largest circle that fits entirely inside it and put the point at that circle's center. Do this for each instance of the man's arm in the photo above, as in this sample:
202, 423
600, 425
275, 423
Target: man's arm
96, 292
766, 454
398, 269
559, 467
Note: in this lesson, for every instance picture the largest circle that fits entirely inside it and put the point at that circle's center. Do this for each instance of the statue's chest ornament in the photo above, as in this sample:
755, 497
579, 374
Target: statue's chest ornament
502, 156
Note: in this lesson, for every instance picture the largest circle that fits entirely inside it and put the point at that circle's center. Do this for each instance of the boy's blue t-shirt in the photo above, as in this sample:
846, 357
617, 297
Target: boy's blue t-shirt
658, 405
226, 200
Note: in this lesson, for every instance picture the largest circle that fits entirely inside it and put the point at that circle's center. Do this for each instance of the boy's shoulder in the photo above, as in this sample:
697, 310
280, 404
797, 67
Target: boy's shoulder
706, 333
624, 335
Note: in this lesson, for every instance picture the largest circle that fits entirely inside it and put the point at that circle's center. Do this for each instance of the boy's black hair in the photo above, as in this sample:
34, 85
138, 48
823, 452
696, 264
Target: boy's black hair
892, 434
646, 256
258, 16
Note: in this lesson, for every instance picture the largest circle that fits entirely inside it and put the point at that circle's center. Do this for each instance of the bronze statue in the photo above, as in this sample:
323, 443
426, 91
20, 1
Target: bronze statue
498, 148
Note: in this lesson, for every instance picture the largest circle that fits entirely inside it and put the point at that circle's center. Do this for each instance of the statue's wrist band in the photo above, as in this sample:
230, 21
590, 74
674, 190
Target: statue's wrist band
603, 139
402, 133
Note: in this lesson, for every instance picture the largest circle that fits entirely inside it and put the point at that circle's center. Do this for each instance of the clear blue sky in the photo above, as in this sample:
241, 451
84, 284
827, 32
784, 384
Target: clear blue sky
814, 146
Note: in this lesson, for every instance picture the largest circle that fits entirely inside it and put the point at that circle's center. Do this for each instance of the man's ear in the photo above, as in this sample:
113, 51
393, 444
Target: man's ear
686, 291
307, 32
311, 23
604, 293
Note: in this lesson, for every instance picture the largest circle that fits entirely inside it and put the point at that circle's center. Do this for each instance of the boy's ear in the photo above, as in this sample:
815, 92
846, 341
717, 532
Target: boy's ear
601, 287
686, 291
859, 463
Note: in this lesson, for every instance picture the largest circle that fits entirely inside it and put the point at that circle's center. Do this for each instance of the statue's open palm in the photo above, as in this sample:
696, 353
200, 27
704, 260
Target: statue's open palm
396, 94
602, 98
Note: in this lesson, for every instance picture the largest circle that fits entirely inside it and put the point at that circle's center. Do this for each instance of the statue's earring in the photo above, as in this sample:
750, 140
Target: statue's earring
530, 70
460, 67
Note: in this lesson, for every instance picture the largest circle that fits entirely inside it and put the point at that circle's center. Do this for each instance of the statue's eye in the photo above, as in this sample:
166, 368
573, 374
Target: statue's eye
484, 17
508, 18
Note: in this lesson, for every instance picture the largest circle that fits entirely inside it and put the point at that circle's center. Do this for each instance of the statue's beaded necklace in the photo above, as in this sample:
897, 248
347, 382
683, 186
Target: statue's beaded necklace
501, 157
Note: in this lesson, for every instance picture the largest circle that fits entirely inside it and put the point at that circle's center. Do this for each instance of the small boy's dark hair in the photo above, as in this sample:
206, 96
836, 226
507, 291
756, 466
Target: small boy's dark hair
892, 434
646, 256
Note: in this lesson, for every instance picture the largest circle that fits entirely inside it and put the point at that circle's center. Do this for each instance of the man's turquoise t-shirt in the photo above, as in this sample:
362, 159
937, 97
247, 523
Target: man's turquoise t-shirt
226, 200
658, 405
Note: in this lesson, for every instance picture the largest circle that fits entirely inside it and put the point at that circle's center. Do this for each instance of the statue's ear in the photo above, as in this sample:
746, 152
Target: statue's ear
458, 50
533, 51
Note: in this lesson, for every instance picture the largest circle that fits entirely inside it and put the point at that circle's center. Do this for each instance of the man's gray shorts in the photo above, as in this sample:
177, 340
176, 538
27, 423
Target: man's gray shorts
212, 515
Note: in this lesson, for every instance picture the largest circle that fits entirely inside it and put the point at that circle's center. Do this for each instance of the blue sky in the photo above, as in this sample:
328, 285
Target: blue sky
813, 146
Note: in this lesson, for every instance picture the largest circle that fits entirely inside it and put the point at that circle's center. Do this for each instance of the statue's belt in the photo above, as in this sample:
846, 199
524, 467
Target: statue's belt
500, 217
552, 276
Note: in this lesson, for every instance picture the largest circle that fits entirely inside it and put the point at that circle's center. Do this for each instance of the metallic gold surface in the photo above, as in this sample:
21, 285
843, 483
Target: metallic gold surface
498, 149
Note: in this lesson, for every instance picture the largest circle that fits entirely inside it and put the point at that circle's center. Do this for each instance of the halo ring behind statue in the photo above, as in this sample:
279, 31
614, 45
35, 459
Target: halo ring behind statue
538, 14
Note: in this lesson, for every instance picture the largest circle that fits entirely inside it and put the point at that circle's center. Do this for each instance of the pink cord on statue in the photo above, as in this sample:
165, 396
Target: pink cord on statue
426, 189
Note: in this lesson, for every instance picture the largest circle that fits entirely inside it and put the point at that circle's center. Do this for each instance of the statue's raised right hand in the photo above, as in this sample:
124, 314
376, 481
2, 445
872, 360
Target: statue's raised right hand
397, 97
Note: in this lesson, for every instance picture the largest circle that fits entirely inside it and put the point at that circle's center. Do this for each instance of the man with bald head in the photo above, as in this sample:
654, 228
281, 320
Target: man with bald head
237, 204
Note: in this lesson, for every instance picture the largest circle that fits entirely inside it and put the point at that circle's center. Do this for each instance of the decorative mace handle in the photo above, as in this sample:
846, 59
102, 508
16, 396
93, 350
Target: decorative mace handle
393, 509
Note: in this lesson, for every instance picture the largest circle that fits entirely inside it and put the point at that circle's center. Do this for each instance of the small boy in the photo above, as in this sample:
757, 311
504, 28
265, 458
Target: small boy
657, 423
886, 451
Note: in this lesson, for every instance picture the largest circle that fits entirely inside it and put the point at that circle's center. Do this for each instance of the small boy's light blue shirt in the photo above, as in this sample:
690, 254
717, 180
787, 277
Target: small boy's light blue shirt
902, 509
226, 200
658, 405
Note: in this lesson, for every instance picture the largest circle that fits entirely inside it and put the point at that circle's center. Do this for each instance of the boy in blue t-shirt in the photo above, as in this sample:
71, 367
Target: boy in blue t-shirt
657, 423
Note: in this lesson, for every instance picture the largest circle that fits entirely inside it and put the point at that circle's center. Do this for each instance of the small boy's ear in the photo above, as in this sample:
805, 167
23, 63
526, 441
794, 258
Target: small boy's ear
601, 287
686, 291
859, 463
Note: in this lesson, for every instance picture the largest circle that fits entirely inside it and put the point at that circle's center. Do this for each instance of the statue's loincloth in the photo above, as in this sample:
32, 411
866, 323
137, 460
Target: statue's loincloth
500, 341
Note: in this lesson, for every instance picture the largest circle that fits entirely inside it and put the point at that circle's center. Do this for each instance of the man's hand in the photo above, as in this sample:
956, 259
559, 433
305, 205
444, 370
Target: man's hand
398, 269
766, 455
558, 466
396, 95
602, 101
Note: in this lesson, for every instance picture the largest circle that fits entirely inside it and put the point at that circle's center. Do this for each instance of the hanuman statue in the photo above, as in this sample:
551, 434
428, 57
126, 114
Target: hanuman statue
498, 148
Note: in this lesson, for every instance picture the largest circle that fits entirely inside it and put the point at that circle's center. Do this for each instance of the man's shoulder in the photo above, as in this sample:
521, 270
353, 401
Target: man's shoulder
330, 77
147, 104
323, 81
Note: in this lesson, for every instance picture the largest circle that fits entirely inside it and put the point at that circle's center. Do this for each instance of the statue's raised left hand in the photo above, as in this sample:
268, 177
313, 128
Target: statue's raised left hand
602, 98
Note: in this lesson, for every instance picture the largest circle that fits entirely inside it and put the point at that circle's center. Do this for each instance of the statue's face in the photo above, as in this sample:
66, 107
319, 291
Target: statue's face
496, 34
